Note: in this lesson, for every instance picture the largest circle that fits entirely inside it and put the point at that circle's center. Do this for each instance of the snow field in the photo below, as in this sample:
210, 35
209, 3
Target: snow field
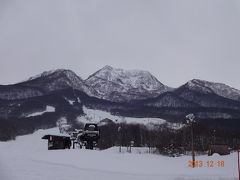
27, 158
48, 109
92, 115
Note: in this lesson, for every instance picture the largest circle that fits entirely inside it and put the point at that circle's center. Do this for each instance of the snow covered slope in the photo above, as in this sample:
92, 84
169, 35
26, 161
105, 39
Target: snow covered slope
217, 88
92, 115
124, 85
27, 158
48, 109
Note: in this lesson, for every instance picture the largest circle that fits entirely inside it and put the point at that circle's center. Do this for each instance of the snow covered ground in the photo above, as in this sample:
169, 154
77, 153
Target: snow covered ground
92, 115
98, 115
27, 158
48, 109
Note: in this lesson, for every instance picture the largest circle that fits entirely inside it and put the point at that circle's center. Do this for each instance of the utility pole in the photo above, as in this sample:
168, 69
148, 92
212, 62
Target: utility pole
238, 165
190, 120
120, 138
214, 136
193, 153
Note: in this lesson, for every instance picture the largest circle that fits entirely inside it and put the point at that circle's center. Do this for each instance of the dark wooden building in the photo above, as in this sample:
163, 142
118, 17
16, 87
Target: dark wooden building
58, 142
221, 149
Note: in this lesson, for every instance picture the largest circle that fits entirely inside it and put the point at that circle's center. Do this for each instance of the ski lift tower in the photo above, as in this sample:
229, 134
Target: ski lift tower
190, 120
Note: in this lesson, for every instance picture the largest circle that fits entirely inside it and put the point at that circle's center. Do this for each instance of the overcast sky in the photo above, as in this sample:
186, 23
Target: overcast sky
175, 40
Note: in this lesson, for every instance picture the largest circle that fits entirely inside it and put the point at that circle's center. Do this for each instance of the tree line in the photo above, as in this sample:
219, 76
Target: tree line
165, 140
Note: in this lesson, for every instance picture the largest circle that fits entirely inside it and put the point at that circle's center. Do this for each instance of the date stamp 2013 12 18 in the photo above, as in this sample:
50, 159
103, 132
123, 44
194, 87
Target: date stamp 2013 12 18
206, 164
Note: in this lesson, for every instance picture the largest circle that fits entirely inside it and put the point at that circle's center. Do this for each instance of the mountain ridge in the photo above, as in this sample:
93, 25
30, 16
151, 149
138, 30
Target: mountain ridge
114, 84
65, 92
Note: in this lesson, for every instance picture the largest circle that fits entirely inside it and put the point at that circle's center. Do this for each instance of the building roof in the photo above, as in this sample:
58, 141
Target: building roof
56, 136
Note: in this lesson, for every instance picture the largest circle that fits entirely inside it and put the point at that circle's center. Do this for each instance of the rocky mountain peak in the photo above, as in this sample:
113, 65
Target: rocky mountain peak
108, 81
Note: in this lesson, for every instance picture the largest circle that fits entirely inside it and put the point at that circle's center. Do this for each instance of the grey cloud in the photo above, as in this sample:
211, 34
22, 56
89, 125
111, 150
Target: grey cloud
176, 40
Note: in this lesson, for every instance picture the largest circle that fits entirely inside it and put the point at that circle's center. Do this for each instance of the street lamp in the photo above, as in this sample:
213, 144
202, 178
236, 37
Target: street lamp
190, 120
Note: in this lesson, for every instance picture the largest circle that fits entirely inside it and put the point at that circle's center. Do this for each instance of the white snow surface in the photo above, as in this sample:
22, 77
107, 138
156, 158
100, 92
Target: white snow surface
96, 116
69, 101
48, 109
92, 115
27, 158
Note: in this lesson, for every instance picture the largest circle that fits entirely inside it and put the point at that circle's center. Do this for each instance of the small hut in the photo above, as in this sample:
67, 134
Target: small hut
58, 142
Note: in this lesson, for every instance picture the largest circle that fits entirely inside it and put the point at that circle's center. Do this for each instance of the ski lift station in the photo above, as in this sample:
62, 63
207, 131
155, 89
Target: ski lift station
87, 137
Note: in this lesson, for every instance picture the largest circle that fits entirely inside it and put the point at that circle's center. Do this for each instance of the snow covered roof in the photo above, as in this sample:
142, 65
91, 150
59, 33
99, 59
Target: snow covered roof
59, 136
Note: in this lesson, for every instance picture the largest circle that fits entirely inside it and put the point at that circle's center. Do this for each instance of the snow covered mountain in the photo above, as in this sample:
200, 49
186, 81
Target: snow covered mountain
124, 85
123, 93
44, 83
209, 94
169, 100
216, 88
61, 79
